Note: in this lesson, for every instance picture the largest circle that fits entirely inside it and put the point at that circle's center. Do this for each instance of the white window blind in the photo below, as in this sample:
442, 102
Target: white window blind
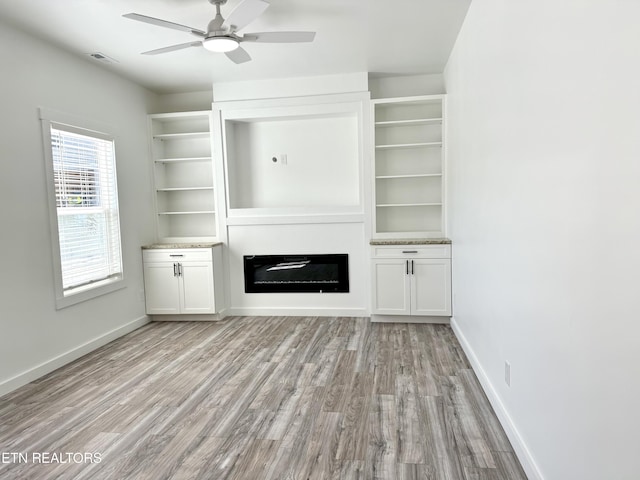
86, 199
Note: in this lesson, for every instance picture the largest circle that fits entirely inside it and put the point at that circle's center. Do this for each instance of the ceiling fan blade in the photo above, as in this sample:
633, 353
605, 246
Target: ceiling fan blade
279, 37
246, 12
164, 23
239, 55
173, 48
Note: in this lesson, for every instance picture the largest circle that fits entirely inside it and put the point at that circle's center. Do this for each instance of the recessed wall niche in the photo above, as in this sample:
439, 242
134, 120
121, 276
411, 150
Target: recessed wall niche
293, 159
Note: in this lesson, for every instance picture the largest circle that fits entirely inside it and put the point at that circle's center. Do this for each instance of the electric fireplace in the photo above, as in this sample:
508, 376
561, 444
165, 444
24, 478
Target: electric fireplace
328, 273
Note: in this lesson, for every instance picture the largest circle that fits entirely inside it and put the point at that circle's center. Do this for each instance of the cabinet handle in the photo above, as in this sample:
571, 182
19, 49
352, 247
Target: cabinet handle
407, 262
411, 267
175, 269
179, 269
176, 255
409, 251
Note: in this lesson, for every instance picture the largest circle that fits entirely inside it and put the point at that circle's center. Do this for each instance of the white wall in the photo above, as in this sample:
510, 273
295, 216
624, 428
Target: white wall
290, 87
34, 337
544, 171
182, 102
391, 86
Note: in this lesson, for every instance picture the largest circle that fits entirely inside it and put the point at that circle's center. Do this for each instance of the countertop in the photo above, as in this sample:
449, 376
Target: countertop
410, 241
181, 245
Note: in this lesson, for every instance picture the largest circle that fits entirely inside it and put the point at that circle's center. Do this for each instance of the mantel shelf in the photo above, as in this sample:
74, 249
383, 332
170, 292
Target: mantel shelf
400, 123
179, 136
409, 145
418, 175
183, 159
183, 189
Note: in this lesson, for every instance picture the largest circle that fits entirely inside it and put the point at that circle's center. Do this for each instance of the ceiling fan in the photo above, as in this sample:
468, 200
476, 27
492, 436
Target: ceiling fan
221, 35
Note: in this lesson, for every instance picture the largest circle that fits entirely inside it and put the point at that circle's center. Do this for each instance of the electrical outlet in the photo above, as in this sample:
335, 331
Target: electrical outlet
507, 373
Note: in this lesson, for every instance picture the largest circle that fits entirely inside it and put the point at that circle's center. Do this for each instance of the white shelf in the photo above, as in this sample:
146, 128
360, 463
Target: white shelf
184, 159
400, 123
409, 145
385, 205
182, 189
418, 175
207, 212
181, 136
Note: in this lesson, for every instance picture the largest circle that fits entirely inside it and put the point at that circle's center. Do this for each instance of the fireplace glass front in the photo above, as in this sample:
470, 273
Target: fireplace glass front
296, 273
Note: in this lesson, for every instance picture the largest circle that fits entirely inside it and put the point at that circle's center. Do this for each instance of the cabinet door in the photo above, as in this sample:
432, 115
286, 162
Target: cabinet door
161, 289
391, 286
196, 287
431, 287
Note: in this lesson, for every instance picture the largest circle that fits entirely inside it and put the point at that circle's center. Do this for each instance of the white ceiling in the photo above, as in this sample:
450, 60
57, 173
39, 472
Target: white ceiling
393, 37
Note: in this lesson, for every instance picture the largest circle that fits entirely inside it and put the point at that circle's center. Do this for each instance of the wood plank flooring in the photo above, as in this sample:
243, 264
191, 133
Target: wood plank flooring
268, 398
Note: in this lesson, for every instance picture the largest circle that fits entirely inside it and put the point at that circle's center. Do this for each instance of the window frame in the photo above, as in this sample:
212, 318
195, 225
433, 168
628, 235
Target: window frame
50, 118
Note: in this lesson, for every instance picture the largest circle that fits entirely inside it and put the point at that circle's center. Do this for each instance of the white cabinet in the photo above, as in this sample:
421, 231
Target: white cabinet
183, 176
409, 167
185, 281
391, 287
431, 286
196, 287
411, 280
162, 292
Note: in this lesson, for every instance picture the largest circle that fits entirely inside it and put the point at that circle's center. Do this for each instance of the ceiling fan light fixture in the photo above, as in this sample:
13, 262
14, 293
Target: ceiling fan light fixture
220, 44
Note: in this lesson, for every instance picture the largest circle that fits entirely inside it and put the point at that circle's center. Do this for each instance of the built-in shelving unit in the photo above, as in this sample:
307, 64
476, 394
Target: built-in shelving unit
183, 175
408, 170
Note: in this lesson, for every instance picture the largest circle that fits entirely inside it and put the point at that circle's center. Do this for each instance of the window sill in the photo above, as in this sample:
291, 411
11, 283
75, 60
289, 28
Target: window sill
82, 294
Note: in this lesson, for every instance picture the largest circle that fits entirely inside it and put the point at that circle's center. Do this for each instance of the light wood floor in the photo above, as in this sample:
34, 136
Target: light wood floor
268, 398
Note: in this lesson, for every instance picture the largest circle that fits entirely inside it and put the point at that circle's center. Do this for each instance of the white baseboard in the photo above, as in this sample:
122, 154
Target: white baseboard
11, 384
213, 317
297, 312
519, 446
408, 319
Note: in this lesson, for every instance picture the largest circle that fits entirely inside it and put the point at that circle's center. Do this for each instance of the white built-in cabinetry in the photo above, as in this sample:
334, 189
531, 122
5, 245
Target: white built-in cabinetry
183, 281
411, 261
411, 280
409, 167
183, 175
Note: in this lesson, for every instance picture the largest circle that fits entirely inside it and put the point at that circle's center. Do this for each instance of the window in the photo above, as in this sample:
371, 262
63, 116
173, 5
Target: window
85, 223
